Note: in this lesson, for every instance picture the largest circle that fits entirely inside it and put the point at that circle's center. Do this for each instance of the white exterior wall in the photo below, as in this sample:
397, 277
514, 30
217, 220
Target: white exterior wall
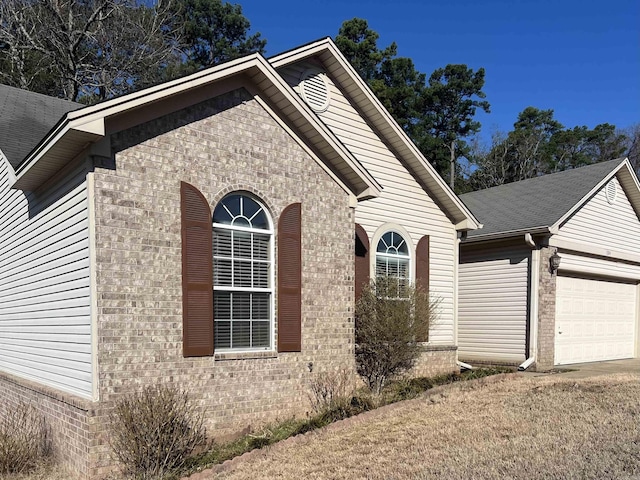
45, 325
402, 202
592, 266
614, 227
492, 304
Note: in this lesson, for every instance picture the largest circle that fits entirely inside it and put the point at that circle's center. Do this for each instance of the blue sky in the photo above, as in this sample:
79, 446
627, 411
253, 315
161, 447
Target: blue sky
580, 58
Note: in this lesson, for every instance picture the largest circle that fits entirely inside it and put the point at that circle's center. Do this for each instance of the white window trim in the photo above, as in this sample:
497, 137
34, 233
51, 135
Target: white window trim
272, 290
373, 248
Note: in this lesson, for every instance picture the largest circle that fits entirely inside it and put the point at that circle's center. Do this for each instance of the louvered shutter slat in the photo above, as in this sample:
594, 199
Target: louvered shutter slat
422, 269
197, 273
290, 279
361, 261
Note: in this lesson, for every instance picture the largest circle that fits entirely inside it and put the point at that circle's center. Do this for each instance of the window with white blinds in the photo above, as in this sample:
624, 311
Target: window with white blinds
393, 259
242, 274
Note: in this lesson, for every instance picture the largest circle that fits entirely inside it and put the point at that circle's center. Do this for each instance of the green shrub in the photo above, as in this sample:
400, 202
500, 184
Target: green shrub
24, 439
391, 320
154, 431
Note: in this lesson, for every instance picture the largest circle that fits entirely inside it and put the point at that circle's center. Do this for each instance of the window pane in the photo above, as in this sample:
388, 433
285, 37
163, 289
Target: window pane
381, 266
260, 334
241, 273
222, 334
260, 221
242, 245
392, 267
392, 243
222, 243
227, 209
384, 243
241, 334
222, 272
260, 246
242, 260
260, 306
250, 208
261, 275
241, 303
403, 267
221, 306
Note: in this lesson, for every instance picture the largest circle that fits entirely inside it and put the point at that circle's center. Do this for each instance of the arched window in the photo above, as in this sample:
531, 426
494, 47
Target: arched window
393, 258
242, 274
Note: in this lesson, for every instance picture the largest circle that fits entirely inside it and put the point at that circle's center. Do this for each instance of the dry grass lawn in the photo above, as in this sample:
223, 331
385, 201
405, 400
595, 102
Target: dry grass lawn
508, 427
519, 428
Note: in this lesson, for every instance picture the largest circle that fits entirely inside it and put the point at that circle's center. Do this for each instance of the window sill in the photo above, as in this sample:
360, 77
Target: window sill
244, 355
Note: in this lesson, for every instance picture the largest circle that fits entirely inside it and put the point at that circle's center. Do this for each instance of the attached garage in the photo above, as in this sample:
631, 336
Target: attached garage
553, 277
596, 320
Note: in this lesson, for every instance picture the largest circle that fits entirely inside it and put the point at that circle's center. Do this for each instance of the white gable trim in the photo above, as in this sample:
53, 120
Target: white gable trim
375, 113
629, 183
82, 127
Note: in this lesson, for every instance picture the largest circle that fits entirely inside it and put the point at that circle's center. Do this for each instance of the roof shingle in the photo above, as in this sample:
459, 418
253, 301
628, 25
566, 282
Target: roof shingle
536, 202
25, 118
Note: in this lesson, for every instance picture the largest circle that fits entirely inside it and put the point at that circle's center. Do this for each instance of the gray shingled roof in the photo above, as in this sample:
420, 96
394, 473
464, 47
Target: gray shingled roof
537, 202
25, 118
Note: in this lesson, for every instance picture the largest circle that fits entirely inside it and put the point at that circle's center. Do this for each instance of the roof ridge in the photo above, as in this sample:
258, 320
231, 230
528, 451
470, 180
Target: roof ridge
547, 176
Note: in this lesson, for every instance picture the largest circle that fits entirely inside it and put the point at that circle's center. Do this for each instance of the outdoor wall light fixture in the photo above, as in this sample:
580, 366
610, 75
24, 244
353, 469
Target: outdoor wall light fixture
554, 262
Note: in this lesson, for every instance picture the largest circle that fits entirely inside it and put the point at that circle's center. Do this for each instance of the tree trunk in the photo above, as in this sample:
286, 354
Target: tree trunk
452, 166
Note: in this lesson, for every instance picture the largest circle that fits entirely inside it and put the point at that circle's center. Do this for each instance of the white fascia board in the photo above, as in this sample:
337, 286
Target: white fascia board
541, 230
90, 120
467, 224
428, 174
10, 169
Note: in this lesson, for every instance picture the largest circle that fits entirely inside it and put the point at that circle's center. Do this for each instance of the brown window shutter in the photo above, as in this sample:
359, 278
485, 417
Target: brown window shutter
362, 260
422, 270
290, 279
422, 264
197, 273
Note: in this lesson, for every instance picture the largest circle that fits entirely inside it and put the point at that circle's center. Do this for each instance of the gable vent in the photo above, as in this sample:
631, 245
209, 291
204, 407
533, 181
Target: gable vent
611, 192
315, 90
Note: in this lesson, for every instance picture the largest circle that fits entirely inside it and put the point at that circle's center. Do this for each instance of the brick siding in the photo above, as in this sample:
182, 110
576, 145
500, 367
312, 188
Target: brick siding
546, 312
68, 419
222, 145
436, 360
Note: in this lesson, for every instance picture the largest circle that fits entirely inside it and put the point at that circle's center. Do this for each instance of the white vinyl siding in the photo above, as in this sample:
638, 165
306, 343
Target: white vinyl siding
402, 201
492, 305
611, 226
574, 263
45, 322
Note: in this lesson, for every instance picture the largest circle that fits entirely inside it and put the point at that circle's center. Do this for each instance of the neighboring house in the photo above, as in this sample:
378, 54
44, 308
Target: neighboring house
211, 233
512, 308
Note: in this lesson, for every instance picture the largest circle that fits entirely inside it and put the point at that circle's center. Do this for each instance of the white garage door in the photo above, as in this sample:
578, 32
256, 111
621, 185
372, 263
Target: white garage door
595, 320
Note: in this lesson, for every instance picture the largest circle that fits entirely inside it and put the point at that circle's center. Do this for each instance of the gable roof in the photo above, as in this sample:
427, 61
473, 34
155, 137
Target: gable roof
543, 204
25, 118
382, 122
77, 130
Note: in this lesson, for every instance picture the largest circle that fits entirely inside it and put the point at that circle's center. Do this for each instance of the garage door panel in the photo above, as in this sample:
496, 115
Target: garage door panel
595, 320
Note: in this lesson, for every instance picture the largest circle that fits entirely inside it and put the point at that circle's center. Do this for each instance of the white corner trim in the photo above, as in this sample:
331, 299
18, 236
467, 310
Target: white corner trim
533, 307
93, 278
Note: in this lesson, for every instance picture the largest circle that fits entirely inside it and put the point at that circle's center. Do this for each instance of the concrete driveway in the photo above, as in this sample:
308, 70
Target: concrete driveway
593, 369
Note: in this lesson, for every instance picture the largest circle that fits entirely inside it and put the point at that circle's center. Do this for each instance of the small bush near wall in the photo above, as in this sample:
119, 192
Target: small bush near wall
330, 390
392, 319
154, 431
24, 440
